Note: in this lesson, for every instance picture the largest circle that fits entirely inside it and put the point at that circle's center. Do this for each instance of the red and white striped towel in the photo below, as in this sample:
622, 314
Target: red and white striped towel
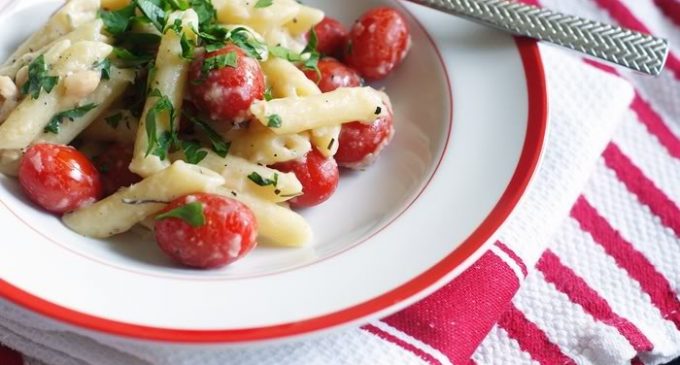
604, 292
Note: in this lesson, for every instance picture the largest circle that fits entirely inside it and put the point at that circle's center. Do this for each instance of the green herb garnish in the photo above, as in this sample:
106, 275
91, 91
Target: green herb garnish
259, 180
38, 79
191, 213
71, 114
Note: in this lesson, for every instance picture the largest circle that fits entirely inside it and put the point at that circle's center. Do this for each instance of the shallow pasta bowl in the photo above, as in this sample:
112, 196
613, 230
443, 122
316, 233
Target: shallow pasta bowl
471, 116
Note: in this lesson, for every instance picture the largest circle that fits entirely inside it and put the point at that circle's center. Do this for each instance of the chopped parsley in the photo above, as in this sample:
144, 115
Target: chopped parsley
105, 67
38, 79
308, 58
153, 12
130, 59
191, 213
193, 153
71, 114
117, 22
114, 120
219, 145
159, 145
268, 94
188, 47
261, 181
229, 59
263, 4
274, 121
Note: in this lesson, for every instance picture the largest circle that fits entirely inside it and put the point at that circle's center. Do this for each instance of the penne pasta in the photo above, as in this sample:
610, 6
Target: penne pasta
121, 211
344, 105
106, 93
260, 181
72, 15
169, 79
32, 115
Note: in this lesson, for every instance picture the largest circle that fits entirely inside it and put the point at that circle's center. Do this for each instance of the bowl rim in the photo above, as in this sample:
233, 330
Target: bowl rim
454, 263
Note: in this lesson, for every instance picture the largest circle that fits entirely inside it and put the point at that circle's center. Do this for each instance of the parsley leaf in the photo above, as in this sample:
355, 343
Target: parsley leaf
285, 53
274, 121
159, 145
193, 153
229, 59
188, 47
219, 145
179, 4
117, 22
38, 79
105, 67
259, 180
114, 120
130, 59
268, 94
263, 4
153, 12
191, 213
205, 10
71, 114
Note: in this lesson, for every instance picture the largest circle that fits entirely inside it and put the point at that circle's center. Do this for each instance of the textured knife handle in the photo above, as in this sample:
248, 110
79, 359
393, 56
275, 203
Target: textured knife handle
637, 51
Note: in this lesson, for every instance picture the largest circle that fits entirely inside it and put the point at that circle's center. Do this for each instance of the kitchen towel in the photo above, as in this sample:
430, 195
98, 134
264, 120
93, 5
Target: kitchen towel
583, 273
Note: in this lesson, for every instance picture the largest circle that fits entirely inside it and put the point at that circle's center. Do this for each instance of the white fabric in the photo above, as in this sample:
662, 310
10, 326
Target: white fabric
586, 106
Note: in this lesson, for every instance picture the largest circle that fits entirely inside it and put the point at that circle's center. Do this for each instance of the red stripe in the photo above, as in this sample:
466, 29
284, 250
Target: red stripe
644, 188
401, 343
10, 357
518, 260
455, 319
472, 362
578, 291
656, 126
628, 258
671, 8
622, 15
532, 339
647, 116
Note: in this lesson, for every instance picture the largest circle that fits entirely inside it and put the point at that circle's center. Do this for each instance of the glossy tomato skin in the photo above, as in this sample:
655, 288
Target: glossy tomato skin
360, 144
113, 165
229, 232
334, 75
318, 175
59, 178
332, 37
379, 42
225, 94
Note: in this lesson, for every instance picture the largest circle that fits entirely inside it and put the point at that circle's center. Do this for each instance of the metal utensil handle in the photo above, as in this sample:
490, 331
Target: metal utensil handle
637, 51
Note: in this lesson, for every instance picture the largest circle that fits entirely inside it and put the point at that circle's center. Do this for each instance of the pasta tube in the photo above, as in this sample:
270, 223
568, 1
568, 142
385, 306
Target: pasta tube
122, 210
31, 116
260, 181
169, 78
72, 15
106, 93
344, 105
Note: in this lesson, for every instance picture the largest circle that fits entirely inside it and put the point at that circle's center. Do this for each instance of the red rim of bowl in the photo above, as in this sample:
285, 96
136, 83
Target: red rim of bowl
530, 156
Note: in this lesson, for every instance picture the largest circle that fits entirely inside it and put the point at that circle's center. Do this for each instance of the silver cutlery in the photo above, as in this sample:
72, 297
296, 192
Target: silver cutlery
637, 51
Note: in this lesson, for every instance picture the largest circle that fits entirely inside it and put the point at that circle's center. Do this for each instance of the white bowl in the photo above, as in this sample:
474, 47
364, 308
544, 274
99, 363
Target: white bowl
389, 236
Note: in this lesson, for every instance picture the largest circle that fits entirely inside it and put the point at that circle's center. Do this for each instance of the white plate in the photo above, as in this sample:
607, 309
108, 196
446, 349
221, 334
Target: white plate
389, 236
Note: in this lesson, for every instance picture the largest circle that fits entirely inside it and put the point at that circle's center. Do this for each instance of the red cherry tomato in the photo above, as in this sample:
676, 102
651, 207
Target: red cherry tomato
332, 37
228, 233
59, 178
333, 75
225, 93
113, 165
379, 42
319, 177
360, 144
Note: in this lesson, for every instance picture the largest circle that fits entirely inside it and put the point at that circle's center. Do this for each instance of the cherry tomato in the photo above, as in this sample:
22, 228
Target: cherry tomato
333, 75
332, 37
319, 177
225, 93
228, 232
59, 178
360, 144
113, 165
379, 42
